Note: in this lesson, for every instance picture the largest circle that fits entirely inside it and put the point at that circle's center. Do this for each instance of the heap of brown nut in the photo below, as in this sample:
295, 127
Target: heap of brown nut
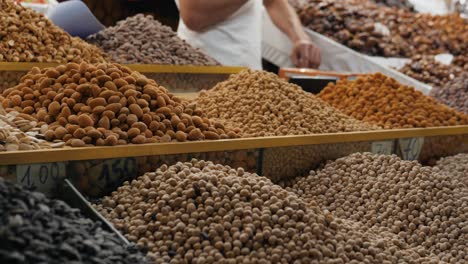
427, 70
108, 104
455, 166
383, 101
27, 36
454, 93
142, 39
200, 212
261, 104
421, 205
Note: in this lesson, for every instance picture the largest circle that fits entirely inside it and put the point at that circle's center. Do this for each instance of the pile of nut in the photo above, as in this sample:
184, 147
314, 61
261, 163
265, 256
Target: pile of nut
383, 101
455, 166
107, 104
427, 70
262, 104
200, 212
28, 36
9, 79
405, 4
406, 34
20, 131
142, 39
421, 205
35, 229
454, 93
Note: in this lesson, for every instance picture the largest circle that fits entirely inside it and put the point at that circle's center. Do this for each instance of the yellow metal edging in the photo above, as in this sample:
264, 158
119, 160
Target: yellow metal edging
90, 153
144, 68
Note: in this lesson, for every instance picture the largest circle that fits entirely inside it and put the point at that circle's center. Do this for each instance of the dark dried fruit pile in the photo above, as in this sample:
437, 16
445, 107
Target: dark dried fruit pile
405, 4
454, 93
35, 229
142, 39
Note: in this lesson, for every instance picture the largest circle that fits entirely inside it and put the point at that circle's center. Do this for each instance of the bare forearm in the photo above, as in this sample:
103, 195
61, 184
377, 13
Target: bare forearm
200, 14
285, 18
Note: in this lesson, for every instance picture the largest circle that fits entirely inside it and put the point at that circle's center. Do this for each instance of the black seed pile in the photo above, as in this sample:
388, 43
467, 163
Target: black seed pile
35, 229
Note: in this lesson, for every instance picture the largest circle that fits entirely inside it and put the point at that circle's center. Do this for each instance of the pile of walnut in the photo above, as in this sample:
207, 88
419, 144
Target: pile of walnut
404, 34
383, 101
142, 39
455, 166
262, 104
453, 93
421, 205
27, 36
200, 212
107, 104
426, 69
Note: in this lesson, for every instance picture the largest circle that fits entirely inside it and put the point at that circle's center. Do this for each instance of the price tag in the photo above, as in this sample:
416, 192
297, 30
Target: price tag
113, 172
382, 147
43, 177
410, 148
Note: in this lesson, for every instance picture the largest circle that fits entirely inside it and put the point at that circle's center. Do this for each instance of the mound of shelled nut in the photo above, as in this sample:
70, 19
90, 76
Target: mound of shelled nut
142, 39
427, 70
28, 36
383, 101
262, 104
453, 93
423, 206
108, 104
9, 79
455, 166
200, 212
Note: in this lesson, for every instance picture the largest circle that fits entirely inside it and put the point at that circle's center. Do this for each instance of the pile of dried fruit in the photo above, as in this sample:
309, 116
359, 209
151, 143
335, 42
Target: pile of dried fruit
261, 104
353, 23
27, 36
454, 93
383, 101
199, 212
421, 205
405, 4
107, 104
9, 79
142, 39
426, 69
455, 166
35, 229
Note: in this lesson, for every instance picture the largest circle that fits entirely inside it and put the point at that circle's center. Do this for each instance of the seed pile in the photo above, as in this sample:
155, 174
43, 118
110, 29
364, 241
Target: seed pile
199, 212
426, 69
19, 131
35, 229
353, 23
107, 104
381, 100
142, 39
454, 93
421, 205
261, 104
455, 166
27, 36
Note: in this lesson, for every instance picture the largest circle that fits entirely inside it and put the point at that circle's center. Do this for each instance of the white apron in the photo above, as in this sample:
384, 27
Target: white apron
235, 41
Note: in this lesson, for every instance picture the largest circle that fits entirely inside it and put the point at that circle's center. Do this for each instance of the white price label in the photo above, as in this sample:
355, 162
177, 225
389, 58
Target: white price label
43, 177
113, 171
410, 148
382, 147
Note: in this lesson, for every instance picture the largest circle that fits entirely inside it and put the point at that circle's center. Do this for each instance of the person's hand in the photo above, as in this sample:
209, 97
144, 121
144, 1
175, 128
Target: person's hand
306, 54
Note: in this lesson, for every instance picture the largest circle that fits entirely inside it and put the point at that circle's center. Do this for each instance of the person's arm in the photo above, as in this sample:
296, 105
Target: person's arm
201, 14
305, 53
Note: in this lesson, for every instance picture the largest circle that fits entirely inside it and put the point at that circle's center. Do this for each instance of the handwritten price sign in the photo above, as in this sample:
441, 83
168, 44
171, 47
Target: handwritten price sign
43, 177
410, 148
383, 147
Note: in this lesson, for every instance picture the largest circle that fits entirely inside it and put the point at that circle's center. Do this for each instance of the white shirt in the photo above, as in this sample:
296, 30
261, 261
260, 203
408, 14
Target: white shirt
234, 42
